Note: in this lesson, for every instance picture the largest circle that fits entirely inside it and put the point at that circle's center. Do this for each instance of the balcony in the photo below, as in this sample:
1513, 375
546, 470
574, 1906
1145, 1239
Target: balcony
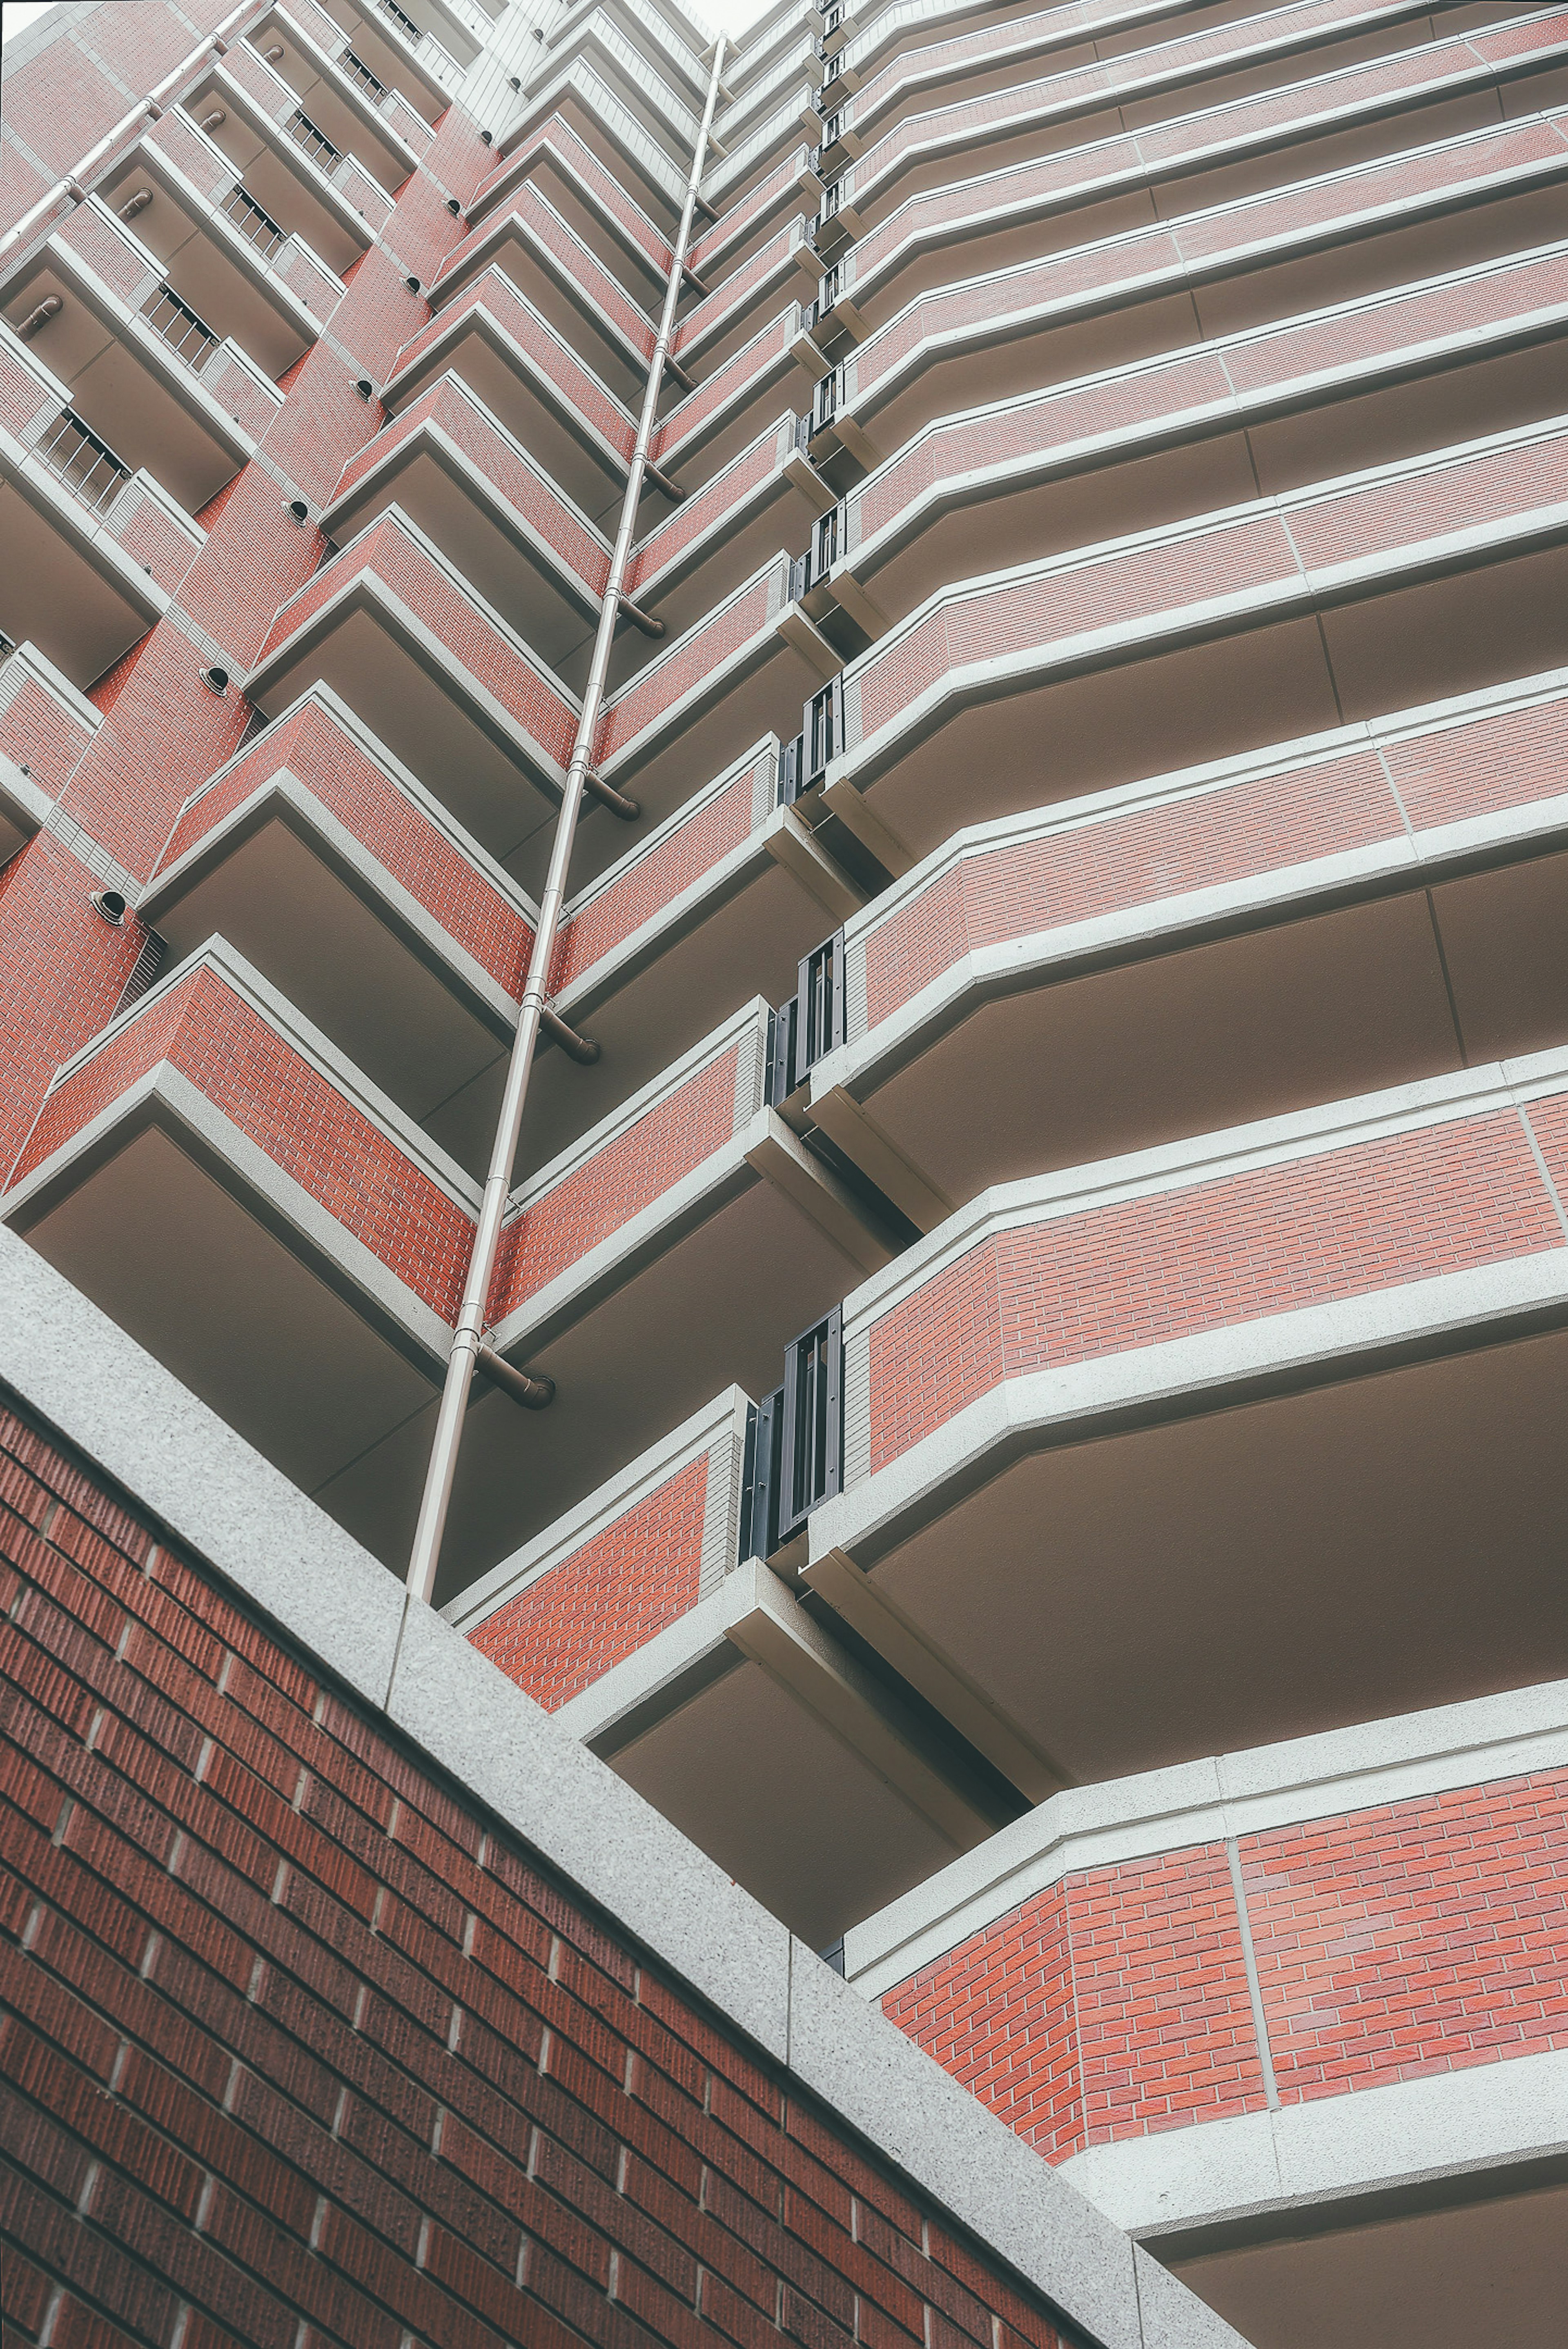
791, 188
1490, 193
688, 1229
718, 1694
474, 491
740, 673
1037, 206
590, 199
722, 899
1366, 382
357, 113
220, 252
583, 100
669, 115
1156, 651
45, 725
74, 522
396, 45
1240, 941
1231, 1379
1151, 2029
226, 1187
559, 276
767, 497
784, 94
326, 864
398, 635
728, 408
178, 402
285, 160
533, 384
760, 154
661, 37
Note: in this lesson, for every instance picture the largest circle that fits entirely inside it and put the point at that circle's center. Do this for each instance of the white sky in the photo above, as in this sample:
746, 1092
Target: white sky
19, 14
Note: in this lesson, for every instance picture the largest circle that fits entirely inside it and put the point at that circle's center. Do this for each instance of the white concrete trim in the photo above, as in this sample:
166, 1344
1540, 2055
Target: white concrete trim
1330, 1774
724, 1417
1476, 2122
24, 804
67, 1362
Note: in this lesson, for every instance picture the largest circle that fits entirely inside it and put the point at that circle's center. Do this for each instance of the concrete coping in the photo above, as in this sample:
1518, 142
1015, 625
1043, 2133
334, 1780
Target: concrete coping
1397, 1759
68, 1363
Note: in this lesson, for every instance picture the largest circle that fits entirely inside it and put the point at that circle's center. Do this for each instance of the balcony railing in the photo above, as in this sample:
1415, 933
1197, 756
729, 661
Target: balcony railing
188, 336
361, 73
88, 466
257, 226
316, 143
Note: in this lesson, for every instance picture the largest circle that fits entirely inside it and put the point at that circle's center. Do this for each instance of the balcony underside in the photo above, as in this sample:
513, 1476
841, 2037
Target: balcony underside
1440, 635
1266, 1020
1299, 1561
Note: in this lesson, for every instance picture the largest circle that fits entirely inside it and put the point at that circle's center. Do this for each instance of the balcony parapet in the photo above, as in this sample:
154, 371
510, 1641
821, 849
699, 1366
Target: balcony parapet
719, 533
555, 143
637, 1555
529, 377
215, 1056
1165, 1863
81, 582
790, 82
734, 177
792, 186
470, 704
624, 148
530, 239
1220, 935
1120, 274
1047, 188
46, 722
422, 69
1329, 550
451, 426
1173, 402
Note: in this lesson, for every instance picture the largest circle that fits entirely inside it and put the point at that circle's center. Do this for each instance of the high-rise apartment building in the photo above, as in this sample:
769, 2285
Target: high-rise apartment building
794, 932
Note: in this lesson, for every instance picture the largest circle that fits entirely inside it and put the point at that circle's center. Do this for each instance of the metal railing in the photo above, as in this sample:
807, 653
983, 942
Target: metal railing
75, 455
255, 225
188, 336
410, 31
315, 143
358, 71
794, 1457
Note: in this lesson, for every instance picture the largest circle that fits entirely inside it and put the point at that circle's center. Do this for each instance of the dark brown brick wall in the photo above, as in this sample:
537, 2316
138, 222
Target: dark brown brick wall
297, 2049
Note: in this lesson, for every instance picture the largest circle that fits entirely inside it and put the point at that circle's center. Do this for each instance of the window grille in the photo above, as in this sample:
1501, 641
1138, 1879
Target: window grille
188, 336
76, 455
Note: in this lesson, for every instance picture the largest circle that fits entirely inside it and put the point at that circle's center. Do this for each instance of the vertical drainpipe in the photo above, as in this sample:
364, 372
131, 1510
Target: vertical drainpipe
469, 1337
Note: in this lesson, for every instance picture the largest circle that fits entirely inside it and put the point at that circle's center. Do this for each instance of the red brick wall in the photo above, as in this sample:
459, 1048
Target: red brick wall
605, 1601
1418, 1938
291, 2036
